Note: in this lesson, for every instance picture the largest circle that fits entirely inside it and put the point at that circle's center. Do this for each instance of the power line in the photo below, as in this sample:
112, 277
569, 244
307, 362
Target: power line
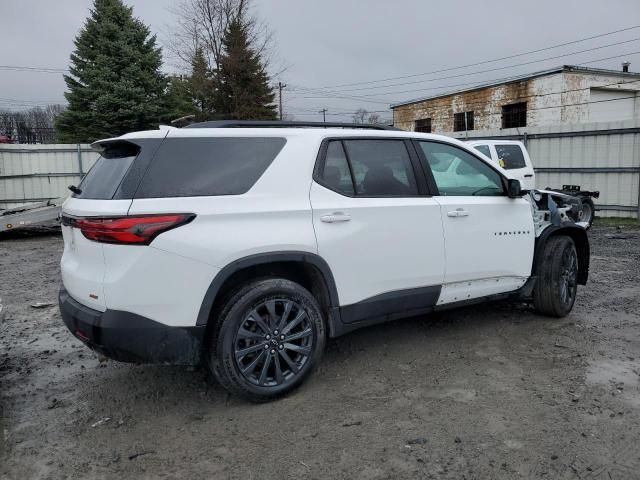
23, 68
479, 84
478, 72
490, 69
486, 61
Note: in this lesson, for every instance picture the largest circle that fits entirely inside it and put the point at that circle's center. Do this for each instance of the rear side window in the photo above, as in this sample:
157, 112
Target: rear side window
104, 178
510, 157
186, 167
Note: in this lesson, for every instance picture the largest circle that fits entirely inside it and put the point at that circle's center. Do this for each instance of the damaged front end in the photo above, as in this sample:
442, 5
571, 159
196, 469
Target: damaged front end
554, 208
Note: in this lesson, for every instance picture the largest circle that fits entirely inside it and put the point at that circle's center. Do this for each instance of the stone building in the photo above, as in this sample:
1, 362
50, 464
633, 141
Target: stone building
567, 94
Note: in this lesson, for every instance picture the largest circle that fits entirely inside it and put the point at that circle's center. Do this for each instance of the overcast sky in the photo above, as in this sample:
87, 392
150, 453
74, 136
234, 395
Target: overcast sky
335, 42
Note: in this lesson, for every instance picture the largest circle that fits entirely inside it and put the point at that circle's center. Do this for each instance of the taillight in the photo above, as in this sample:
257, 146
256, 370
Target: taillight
131, 230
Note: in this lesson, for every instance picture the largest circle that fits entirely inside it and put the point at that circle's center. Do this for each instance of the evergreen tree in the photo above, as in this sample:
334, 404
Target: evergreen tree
243, 91
115, 84
177, 100
201, 85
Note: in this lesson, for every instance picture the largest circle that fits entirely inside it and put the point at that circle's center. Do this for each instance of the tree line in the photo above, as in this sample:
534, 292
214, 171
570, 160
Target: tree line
35, 125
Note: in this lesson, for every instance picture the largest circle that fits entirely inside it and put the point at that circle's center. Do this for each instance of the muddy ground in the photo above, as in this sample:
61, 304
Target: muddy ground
485, 392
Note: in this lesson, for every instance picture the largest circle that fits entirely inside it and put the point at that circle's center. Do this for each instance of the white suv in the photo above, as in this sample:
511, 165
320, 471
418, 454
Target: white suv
243, 245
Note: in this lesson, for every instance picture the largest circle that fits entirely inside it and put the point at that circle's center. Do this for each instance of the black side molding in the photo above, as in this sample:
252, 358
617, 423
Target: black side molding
399, 301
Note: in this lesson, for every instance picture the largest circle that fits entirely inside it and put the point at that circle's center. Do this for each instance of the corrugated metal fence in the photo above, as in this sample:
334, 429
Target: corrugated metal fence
34, 173
596, 156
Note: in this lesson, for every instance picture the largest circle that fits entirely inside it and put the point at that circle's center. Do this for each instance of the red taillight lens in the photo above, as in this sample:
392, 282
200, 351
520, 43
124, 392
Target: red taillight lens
133, 230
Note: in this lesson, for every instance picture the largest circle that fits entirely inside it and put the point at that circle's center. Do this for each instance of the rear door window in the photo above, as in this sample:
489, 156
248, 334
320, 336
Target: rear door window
104, 178
185, 167
510, 157
381, 168
335, 173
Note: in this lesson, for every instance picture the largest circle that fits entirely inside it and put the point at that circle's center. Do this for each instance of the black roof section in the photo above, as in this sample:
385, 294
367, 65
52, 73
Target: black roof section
284, 124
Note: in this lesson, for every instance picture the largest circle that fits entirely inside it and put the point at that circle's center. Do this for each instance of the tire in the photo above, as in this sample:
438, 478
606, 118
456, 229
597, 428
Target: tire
557, 283
269, 336
588, 211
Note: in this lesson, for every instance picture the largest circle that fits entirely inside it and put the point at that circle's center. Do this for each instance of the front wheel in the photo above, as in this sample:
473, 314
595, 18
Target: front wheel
588, 211
269, 338
557, 282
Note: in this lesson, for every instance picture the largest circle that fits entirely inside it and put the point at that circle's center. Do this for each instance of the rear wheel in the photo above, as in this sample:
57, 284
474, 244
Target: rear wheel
557, 282
269, 338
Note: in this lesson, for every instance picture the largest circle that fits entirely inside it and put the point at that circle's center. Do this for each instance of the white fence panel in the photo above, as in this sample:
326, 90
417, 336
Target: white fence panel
35, 173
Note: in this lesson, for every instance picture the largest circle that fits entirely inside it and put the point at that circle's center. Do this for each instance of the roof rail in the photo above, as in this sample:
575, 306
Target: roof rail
284, 124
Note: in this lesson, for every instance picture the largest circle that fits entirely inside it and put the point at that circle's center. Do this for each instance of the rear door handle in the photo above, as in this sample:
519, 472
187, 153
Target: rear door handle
336, 217
528, 175
458, 212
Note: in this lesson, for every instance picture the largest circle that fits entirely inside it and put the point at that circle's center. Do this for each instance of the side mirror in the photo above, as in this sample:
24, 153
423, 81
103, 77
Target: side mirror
513, 188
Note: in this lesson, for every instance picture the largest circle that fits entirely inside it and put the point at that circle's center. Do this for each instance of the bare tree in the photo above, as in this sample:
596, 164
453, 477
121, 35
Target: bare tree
202, 23
363, 116
359, 116
35, 125
374, 118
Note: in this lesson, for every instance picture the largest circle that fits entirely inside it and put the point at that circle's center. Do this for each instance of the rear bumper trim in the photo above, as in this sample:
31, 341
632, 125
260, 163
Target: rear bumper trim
128, 337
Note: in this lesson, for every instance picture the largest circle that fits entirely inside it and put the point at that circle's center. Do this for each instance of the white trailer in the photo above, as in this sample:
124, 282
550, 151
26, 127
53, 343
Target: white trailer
30, 214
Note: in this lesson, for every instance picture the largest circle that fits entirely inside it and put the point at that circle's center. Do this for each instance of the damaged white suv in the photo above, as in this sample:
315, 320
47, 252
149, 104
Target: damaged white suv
243, 245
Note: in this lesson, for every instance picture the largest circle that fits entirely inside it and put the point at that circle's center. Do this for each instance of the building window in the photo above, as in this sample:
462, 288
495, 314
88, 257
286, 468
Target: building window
423, 125
462, 121
514, 115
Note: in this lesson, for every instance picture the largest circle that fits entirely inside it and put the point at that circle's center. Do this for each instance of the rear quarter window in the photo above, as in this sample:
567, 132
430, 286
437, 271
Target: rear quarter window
484, 149
104, 178
208, 166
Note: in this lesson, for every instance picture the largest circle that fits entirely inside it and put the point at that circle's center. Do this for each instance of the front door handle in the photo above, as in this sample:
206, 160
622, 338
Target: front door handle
336, 217
458, 212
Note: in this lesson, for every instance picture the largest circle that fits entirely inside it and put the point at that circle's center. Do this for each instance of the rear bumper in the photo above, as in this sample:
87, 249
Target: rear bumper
128, 337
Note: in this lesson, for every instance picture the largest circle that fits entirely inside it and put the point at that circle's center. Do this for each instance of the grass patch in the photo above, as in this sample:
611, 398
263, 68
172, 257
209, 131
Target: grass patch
615, 221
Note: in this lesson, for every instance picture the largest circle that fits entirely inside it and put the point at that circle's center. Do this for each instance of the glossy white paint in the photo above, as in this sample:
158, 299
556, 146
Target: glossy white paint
388, 244
165, 287
372, 245
495, 237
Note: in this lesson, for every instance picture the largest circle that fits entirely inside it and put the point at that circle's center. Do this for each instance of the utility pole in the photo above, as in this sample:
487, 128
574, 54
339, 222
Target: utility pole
324, 115
280, 87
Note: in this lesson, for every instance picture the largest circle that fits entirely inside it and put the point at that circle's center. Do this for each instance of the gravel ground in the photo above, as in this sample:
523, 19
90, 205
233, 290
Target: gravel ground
484, 392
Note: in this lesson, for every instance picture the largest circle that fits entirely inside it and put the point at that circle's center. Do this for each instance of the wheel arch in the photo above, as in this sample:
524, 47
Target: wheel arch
308, 269
580, 239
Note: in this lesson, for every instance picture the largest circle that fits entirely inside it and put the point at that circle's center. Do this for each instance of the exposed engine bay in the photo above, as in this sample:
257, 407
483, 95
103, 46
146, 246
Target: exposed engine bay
549, 207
